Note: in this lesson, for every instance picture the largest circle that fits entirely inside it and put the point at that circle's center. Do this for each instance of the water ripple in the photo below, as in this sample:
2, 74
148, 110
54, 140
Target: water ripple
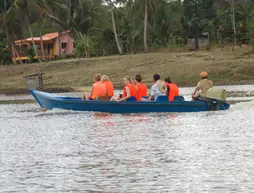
65, 151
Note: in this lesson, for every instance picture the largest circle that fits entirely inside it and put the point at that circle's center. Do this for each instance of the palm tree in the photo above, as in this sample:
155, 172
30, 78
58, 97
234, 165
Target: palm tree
145, 28
152, 5
10, 28
112, 7
246, 12
75, 15
222, 4
20, 9
84, 45
190, 23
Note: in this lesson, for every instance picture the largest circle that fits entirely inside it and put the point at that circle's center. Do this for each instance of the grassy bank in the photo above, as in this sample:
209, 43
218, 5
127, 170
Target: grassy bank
224, 67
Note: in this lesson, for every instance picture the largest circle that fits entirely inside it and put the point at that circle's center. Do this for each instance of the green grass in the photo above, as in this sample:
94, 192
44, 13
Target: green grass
183, 67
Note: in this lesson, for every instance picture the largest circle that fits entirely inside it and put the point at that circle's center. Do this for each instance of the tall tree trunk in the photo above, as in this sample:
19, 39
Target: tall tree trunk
42, 48
13, 54
145, 28
18, 53
34, 46
217, 35
10, 43
59, 45
116, 37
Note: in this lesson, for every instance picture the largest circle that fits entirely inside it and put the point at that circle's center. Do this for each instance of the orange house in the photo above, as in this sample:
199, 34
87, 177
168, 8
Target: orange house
49, 46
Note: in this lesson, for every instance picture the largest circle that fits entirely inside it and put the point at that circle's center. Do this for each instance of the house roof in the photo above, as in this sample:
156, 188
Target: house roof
50, 36
46, 37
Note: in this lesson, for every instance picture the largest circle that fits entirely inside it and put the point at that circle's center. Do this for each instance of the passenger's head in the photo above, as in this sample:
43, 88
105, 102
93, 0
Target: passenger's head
168, 80
97, 77
163, 86
203, 75
104, 78
138, 78
156, 77
126, 80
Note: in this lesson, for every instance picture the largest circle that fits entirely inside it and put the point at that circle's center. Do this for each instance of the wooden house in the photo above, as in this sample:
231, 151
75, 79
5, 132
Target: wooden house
49, 46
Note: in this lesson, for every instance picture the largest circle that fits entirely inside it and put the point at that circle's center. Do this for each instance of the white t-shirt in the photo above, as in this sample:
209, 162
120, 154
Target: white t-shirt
155, 91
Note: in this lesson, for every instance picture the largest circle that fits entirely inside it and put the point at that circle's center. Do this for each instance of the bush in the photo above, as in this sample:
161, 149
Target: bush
30, 53
252, 44
176, 42
180, 41
5, 57
84, 45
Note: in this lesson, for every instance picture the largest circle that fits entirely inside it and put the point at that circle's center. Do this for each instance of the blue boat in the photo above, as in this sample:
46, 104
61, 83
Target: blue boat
53, 101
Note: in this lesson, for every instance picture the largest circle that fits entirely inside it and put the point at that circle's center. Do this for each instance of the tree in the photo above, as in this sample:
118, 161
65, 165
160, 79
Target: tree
112, 3
191, 23
84, 45
224, 4
20, 9
145, 27
9, 28
196, 11
246, 12
152, 5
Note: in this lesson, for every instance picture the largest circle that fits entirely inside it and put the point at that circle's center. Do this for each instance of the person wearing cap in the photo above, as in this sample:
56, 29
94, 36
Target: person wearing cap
158, 89
203, 85
109, 86
98, 89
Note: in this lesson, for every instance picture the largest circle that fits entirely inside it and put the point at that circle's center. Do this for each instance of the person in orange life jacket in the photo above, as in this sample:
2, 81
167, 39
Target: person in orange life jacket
98, 89
129, 90
140, 87
110, 87
172, 89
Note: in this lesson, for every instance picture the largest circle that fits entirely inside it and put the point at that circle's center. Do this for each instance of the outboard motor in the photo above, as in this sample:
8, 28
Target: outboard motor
215, 97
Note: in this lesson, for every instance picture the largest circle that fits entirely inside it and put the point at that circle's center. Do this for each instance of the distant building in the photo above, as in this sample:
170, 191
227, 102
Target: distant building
53, 44
198, 41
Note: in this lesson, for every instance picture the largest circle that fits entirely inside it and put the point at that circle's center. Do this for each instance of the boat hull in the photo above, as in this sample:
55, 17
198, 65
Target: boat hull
52, 101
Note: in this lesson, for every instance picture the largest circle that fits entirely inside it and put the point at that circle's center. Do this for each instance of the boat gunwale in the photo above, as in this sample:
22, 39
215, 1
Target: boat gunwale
141, 103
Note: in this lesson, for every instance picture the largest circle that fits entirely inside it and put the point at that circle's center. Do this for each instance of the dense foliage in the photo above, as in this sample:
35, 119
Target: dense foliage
104, 27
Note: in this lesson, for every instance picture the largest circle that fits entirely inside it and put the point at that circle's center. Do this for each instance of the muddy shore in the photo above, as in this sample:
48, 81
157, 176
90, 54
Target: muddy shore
224, 67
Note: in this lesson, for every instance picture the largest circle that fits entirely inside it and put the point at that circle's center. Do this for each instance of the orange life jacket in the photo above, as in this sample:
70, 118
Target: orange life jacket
174, 91
99, 89
109, 87
142, 91
133, 91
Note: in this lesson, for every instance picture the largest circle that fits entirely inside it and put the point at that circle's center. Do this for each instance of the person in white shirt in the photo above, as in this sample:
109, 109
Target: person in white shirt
158, 89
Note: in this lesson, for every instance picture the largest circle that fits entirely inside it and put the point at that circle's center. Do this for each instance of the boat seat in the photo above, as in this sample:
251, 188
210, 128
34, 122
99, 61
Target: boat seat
69, 98
162, 99
179, 98
103, 98
131, 99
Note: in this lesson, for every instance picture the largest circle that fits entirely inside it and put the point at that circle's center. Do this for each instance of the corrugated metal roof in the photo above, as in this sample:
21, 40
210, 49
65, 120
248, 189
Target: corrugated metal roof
46, 37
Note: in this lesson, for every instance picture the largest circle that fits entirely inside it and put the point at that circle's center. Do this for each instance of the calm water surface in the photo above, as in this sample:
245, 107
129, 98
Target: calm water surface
65, 151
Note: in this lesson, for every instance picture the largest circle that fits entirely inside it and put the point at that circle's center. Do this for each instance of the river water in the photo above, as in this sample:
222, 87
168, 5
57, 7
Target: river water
65, 151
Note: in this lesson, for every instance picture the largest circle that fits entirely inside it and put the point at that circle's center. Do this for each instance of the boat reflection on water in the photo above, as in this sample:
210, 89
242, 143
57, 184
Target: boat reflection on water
109, 119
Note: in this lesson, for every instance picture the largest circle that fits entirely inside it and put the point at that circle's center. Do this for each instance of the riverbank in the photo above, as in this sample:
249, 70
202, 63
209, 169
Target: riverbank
224, 67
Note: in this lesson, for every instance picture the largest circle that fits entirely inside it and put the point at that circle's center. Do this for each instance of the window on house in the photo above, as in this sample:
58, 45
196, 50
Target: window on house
64, 45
